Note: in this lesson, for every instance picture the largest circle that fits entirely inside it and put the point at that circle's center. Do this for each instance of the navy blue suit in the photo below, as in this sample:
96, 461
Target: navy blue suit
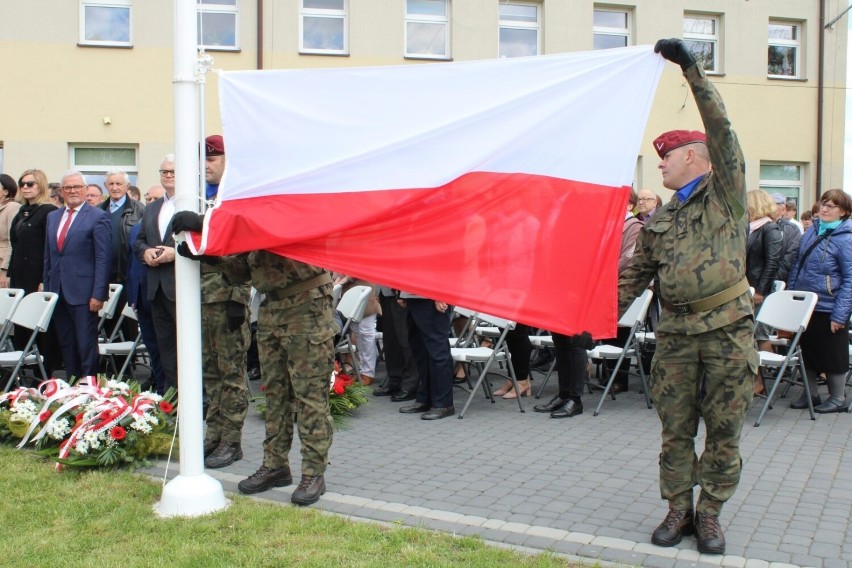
78, 273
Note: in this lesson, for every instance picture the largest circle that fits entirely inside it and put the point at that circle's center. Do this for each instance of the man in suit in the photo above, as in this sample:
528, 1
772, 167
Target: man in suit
155, 246
77, 266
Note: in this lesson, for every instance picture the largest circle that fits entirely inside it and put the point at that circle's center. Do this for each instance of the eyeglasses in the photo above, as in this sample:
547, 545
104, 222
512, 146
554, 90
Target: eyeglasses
73, 187
830, 206
647, 199
27, 184
167, 172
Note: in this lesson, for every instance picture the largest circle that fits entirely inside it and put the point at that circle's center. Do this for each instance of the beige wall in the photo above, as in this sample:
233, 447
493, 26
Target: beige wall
60, 93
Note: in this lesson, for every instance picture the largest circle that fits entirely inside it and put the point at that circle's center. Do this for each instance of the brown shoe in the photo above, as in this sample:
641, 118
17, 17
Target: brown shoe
673, 528
708, 531
309, 490
264, 479
366, 380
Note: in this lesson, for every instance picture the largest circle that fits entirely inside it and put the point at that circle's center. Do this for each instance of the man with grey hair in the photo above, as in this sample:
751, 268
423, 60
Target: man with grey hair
646, 204
123, 213
155, 246
76, 266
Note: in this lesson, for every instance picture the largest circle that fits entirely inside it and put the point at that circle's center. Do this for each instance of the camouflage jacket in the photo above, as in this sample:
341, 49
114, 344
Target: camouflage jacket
270, 273
224, 281
697, 248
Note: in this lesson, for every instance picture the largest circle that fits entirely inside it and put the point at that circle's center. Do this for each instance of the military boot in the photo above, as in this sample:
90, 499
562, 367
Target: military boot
264, 479
708, 531
309, 490
225, 454
210, 446
673, 528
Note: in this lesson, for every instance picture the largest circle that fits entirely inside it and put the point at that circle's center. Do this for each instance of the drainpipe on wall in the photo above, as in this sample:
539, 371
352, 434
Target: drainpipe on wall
260, 34
820, 93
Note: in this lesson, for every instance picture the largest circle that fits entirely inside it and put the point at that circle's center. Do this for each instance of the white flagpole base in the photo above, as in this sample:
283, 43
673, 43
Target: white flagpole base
191, 496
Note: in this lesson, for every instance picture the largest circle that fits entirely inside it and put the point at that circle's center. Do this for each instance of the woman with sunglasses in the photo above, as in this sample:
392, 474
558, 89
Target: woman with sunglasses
8, 209
824, 266
26, 265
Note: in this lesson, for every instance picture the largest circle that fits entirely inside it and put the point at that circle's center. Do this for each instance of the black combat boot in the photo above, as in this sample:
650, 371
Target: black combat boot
225, 454
264, 479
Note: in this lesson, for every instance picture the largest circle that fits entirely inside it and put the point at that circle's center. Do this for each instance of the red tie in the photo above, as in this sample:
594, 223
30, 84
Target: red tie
60, 242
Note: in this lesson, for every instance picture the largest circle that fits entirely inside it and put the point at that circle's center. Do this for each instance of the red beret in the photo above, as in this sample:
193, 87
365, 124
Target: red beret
215, 145
668, 141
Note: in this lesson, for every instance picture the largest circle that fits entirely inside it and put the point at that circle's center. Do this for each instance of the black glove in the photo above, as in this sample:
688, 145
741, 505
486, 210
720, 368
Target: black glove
183, 250
187, 221
675, 51
236, 315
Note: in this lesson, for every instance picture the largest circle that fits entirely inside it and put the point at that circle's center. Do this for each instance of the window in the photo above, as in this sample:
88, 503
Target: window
94, 161
611, 28
701, 36
324, 27
218, 24
105, 22
784, 43
783, 178
519, 29
427, 29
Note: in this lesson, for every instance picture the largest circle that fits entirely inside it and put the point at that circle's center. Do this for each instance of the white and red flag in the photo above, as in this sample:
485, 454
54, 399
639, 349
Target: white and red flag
498, 185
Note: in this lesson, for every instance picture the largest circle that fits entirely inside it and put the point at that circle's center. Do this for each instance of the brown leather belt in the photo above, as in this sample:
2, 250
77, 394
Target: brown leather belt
708, 303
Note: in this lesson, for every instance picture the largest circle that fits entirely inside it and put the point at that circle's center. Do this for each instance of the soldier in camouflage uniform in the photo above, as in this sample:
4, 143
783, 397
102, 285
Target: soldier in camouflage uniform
224, 345
694, 248
295, 332
224, 336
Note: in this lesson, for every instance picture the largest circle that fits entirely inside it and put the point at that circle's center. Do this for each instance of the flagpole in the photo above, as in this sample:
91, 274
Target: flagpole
192, 492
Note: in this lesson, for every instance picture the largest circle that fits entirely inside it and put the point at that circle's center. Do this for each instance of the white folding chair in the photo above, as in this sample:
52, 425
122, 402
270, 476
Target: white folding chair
633, 318
118, 346
484, 357
336, 293
33, 312
108, 311
787, 310
9, 300
351, 306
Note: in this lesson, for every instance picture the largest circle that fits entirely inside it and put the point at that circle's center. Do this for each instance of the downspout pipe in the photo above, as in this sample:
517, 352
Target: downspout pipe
260, 34
820, 99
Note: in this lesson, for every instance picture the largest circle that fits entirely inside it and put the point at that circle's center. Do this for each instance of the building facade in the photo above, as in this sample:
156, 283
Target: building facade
89, 82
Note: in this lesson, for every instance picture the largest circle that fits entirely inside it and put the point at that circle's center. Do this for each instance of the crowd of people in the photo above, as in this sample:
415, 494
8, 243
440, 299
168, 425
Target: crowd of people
701, 253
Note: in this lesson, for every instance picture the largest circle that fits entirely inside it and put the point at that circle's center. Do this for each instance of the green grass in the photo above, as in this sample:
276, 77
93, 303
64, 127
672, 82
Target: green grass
96, 518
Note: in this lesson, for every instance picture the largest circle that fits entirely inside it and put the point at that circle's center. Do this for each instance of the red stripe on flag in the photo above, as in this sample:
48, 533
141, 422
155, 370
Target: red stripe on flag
534, 249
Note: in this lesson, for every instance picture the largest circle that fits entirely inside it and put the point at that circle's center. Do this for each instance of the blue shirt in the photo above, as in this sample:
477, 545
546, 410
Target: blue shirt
211, 190
684, 192
116, 205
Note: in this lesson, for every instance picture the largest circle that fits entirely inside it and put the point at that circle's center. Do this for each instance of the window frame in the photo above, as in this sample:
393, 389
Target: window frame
791, 189
202, 7
342, 14
121, 4
95, 173
715, 39
515, 25
426, 19
797, 44
626, 32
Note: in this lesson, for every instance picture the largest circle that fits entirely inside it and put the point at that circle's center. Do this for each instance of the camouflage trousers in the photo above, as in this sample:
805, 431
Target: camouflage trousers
224, 373
724, 360
296, 351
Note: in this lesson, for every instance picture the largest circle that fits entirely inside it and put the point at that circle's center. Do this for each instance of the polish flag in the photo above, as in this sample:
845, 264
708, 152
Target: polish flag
499, 186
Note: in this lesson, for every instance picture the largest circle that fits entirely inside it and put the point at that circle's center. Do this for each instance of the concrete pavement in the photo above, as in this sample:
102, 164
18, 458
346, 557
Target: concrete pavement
584, 487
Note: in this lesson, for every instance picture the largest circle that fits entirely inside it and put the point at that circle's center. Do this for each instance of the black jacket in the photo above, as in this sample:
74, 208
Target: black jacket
764, 252
131, 214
